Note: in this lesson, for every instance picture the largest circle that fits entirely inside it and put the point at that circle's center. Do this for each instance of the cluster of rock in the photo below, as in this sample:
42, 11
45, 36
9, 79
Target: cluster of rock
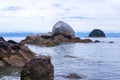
14, 54
61, 33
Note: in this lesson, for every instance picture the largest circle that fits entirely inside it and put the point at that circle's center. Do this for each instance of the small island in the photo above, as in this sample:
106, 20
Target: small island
97, 33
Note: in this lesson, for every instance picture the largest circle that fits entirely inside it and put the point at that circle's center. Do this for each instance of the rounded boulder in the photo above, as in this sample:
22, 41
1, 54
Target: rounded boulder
62, 28
97, 33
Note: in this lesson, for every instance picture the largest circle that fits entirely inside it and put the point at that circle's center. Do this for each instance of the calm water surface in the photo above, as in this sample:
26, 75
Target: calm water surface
91, 61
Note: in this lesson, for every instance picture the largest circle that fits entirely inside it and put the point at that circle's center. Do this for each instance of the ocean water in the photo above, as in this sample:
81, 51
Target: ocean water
91, 61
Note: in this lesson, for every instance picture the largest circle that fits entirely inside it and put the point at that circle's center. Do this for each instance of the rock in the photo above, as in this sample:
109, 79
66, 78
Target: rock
72, 76
9, 73
2, 64
38, 69
69, 56
51, 41
59, 38
86, 40
11, 41
15, 47
47, 35
14, 54
111, 42
96, 41
2, 39
97, 33
62, 28
3, 45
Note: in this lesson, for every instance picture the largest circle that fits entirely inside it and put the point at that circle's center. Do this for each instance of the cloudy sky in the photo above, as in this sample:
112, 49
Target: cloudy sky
41, 15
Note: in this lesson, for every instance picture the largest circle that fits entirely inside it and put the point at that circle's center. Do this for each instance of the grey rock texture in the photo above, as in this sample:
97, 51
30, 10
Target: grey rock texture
63, 28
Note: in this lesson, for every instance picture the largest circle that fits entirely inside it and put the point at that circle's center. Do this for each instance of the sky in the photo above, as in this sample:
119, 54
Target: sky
41, 15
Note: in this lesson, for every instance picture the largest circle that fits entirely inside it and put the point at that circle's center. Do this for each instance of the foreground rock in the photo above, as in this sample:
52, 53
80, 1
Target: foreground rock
61, 33
97, 33
38, 69
14, 54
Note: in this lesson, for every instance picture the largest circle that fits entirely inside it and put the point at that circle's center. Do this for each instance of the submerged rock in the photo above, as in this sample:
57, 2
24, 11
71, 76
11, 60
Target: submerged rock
38, 69
72, 76
69, 56
111, 42
96, 41
14, 54
97, 33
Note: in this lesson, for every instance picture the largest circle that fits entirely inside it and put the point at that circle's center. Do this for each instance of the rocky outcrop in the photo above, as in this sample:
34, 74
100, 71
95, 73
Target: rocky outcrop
97, 33
62, 28
51, 41
14, 54
38, 69
61, 33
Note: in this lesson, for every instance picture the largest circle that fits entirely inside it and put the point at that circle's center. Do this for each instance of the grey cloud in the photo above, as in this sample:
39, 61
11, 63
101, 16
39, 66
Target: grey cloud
80, 17
11, 8
57, 5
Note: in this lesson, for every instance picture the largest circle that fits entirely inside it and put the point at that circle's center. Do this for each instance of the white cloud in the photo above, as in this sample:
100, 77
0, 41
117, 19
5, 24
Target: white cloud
41, 15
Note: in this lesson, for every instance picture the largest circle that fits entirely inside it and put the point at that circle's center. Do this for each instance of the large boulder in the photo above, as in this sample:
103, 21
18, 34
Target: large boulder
97, 33
38, 69
14, 54
64, 29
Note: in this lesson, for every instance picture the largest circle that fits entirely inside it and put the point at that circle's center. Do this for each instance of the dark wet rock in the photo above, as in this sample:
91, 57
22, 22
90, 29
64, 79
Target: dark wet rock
14, 54
15, 47
38, 69
11, 41
111, 42
69, 56
2, 39
86, 40
3, 45
97, 33
62, 28
72, 76
96, 41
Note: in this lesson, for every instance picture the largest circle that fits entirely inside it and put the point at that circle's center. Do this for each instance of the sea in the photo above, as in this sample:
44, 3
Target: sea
91, 61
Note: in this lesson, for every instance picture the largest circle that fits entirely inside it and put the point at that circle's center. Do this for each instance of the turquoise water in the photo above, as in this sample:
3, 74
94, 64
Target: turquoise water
91, 61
